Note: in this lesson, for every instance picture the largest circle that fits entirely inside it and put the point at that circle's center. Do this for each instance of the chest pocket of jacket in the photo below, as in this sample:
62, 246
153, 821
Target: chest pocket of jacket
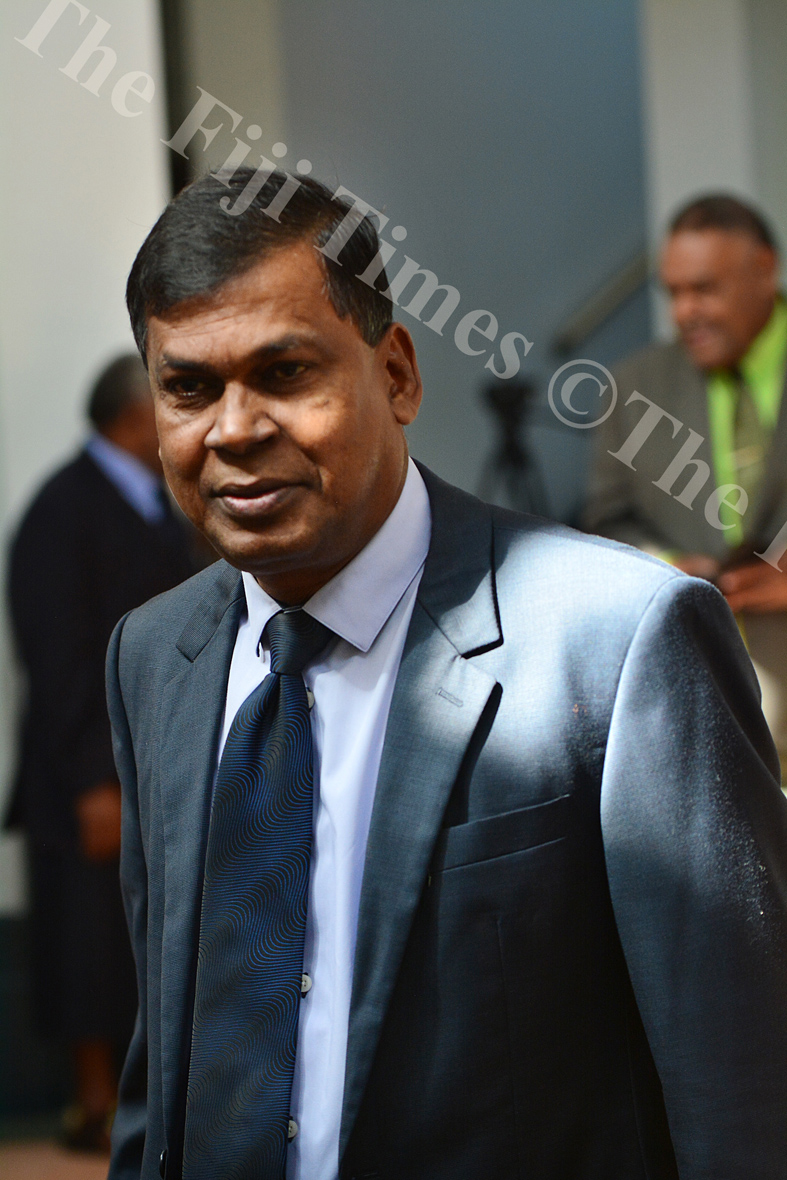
500, 835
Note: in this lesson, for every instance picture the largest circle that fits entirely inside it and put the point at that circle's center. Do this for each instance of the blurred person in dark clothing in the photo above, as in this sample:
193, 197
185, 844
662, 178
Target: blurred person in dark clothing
99, 539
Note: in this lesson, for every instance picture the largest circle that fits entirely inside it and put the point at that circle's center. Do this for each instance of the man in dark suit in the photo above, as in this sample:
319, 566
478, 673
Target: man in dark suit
98, 539
441, 860
723, 425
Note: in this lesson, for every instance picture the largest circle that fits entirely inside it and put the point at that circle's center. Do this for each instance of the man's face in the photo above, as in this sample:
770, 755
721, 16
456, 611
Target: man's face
722, 286
280, 428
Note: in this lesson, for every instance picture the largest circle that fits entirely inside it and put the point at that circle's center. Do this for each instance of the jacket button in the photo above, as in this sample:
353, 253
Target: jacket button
162, 1164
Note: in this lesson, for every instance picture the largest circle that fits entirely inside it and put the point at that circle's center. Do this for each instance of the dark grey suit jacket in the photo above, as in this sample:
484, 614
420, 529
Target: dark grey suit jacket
627, 505
572, 941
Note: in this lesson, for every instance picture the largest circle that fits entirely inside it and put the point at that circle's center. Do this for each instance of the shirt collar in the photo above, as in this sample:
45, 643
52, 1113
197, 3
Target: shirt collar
763, 365
136, 483
358, 601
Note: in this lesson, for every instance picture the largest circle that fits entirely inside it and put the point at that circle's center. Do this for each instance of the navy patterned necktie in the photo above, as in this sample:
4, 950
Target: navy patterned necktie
250, 962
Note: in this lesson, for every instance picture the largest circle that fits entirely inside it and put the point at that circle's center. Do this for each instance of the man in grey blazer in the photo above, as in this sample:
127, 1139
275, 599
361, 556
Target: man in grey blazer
546, 931
716, 397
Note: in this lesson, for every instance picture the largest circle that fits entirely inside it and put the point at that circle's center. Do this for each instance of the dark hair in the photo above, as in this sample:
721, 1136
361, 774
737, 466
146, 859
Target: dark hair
719, 211
122, 382
196, 246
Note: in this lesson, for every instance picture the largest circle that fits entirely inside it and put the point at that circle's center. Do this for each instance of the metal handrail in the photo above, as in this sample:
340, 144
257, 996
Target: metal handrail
602, 304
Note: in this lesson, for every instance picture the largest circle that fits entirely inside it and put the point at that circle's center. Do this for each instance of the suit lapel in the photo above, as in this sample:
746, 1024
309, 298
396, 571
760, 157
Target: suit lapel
692, 389
687, 398
768, 506
437, 703
191, 713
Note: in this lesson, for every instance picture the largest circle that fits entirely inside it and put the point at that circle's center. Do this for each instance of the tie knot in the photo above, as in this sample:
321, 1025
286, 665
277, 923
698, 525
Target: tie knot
295, 639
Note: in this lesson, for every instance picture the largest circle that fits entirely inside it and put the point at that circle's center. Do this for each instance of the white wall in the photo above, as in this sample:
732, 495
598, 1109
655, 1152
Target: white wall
697, 83
80, 186
715, 86
767, 21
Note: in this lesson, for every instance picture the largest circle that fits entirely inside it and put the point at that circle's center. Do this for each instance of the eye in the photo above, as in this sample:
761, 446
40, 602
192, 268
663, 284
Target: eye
187, 387
287, 370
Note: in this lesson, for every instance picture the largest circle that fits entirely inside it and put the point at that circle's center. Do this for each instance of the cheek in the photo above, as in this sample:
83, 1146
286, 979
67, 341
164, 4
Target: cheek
180, 443
182, 456
351, 458
724, 302
327, 434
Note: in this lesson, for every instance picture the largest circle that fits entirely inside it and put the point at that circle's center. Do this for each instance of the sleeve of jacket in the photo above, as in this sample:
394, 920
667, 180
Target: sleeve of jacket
53, 573
695, 837
128, 1131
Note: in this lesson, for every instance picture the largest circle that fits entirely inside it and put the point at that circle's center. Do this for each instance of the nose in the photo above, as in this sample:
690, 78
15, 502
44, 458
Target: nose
241, 421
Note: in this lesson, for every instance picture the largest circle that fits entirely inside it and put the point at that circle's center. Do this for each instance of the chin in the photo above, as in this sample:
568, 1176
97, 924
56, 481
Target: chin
712, 353
707, 363
253, 553
709, 358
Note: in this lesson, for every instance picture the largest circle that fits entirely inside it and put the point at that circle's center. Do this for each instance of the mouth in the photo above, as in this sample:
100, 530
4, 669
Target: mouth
260, 498
699, 334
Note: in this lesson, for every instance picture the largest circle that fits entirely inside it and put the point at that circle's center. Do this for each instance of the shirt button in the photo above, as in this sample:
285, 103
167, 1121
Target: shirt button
292, 1129
310, 698
306, 984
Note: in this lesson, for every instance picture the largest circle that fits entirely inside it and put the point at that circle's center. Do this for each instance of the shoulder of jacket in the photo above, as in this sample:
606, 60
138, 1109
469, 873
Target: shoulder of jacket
575, 571
659, 361
58, 509
587, 597
163, 619
64, 481
554, 541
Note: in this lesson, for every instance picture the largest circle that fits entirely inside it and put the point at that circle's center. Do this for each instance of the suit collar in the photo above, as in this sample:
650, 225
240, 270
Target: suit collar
225, 588
690, 392
457, 588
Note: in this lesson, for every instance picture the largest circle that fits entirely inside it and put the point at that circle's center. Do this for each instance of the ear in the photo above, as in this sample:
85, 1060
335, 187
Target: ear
396, 353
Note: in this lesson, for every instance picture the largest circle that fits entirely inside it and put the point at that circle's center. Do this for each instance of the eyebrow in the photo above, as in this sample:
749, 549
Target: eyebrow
272, 349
